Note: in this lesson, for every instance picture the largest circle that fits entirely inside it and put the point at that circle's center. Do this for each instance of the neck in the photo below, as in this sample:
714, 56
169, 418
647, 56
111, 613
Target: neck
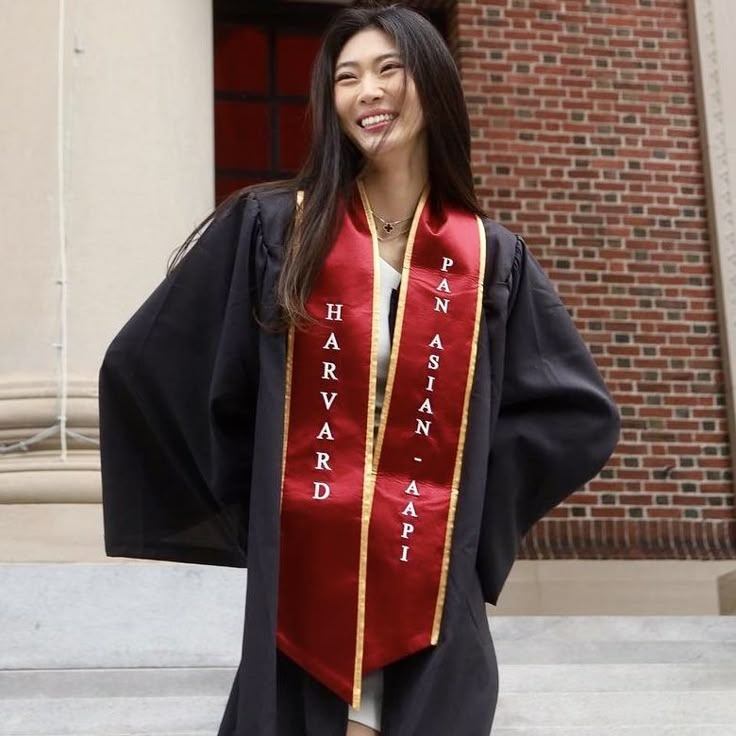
394, 189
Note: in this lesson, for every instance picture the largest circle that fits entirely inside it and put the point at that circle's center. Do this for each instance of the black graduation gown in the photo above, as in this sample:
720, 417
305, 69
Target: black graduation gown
191, 402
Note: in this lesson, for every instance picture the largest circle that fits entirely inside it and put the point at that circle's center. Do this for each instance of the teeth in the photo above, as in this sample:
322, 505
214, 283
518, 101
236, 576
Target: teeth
375, 119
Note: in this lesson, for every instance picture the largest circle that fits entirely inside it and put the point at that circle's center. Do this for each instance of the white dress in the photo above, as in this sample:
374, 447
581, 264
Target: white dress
369, 713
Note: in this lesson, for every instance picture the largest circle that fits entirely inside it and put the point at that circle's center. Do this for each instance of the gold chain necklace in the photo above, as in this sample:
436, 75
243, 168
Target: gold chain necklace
391, 228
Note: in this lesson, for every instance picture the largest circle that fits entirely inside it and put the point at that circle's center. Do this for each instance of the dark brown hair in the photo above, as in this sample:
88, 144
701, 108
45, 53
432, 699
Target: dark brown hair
333, 162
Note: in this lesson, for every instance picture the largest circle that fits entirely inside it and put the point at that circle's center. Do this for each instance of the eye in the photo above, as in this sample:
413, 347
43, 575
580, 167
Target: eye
391, 66
344, 77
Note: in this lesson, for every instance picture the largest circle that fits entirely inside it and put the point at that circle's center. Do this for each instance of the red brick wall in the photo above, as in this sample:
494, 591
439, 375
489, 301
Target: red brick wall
586, 142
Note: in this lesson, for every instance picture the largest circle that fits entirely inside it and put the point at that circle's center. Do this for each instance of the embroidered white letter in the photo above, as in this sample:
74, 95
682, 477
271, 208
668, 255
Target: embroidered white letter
328, 371
430, 383
331, 343
446, 263
434, 362
404, 553
323, 461
441, 305
412, 489
334, 312
328, 401
423, 427
444, 286
436, 342
410, 510
406, 530
321, 491
426, 407
325, 433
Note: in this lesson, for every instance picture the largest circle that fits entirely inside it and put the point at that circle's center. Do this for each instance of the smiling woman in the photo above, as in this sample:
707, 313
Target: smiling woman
373, 95
366, 391
379, 111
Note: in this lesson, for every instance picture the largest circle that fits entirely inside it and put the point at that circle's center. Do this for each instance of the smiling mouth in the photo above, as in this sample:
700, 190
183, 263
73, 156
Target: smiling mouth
373, 120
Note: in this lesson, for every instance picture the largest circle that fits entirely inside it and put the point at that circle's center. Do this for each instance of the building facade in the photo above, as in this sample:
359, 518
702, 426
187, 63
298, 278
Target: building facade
603, 132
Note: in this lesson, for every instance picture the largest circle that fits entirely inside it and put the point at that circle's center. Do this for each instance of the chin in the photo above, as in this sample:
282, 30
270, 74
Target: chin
383, 147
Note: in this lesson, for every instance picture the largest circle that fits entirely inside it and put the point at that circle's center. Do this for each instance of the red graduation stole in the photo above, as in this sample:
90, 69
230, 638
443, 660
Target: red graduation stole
366, 533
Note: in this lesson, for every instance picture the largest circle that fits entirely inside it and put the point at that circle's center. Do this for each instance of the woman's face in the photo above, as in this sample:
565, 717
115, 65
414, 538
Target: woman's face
375, 97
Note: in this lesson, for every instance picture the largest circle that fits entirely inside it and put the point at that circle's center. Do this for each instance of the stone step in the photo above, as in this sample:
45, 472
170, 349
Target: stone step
77, 616
614, 628
699, 729
633, 708
116, 683
147, 649
94, 716
614, 639
48, 612
517, 712
671, 678
615, 652
214, 681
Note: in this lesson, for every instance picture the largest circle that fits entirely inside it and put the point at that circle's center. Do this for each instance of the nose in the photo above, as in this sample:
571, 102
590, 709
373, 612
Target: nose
370, 88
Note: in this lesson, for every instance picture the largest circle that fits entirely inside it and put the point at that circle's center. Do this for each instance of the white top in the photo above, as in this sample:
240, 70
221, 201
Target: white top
390, 279
371, 703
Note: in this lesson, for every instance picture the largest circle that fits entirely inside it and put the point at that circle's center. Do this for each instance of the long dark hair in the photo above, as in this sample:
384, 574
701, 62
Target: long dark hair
333, 162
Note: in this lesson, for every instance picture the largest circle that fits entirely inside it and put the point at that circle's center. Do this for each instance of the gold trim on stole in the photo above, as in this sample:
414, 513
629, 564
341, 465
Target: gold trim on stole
368, 484
287, 406
398, 327
461, 440
371, 455
289, 373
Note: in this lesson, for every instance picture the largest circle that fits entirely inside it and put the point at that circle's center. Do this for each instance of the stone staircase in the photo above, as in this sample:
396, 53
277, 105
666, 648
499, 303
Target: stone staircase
634, 676
138, 649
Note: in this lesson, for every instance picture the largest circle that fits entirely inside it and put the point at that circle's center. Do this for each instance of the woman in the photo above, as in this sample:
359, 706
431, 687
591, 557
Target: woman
376, 461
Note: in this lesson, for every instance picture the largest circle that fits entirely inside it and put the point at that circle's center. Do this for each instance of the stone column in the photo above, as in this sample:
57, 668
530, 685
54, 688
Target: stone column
107, 164
713, 25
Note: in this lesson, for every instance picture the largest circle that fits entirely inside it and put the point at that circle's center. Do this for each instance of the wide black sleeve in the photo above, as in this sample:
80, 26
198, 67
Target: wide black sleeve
178, 389
557, 424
